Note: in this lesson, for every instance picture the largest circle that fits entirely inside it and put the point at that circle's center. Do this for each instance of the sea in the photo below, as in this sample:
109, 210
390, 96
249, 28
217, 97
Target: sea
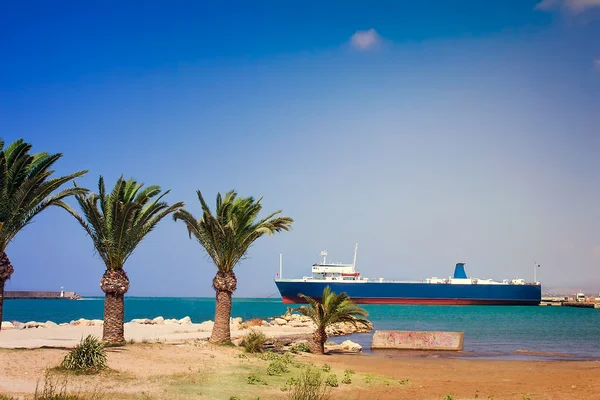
494, 332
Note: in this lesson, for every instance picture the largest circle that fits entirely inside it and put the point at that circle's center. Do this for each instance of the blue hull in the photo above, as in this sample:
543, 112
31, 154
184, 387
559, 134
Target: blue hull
415, 293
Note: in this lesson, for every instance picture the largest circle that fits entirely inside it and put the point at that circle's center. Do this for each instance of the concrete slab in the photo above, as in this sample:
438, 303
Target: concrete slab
418, 340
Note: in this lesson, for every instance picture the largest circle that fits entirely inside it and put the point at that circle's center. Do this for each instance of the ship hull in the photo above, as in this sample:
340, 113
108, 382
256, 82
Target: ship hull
415, 293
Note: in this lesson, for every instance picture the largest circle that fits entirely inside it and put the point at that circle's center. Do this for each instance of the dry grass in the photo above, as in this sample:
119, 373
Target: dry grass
252, 323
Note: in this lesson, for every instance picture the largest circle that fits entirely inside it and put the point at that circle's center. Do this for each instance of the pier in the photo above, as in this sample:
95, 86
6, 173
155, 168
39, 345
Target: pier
62, 295
581, 304
589, 302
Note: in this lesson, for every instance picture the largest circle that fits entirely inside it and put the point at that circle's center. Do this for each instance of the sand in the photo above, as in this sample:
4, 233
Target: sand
179, 366
199, 370
69, 336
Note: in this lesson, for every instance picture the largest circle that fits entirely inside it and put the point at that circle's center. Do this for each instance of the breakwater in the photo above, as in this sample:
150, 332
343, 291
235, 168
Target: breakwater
41, 295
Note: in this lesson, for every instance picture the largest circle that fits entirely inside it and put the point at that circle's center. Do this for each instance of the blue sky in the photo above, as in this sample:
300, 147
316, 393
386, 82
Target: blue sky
428, 132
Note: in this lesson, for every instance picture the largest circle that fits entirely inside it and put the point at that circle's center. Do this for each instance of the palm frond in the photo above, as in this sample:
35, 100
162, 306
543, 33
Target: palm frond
27, 187
228, 233
118, 221
332, 308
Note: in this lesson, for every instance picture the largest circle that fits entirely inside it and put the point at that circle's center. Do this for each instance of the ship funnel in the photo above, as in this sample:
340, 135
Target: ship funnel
459, 271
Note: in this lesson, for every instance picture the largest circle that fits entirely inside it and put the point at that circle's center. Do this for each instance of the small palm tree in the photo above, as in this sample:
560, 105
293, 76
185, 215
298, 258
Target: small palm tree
226, 236
117, 222
26, 189
331, 309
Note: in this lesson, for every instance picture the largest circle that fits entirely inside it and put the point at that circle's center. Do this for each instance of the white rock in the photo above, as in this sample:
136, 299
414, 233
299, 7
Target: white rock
171, 321
159, 320
50, 324
7, 325
237, 320
32, 324
81, 322
280, 321
350, 345
96, 322
185, 321
63, 324
142, 321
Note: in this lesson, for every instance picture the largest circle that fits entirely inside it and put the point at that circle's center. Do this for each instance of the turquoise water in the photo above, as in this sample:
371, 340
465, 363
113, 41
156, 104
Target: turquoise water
490, 331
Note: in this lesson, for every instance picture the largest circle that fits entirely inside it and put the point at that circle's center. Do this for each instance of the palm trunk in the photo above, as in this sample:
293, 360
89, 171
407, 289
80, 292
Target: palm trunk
224, 284
221, 333
113, 331
6, 271
317, 345
115, 284
2, 281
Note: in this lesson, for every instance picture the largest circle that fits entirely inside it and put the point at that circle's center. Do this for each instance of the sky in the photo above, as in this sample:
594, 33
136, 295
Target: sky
429, 133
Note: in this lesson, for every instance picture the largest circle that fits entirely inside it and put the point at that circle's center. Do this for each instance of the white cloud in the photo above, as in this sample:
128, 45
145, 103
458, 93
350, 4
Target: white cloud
571, 6
364, 40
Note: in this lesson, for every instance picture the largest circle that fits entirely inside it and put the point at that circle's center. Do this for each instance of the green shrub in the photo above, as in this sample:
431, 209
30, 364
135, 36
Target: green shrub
347, 378
88, 356
269, 356
254, 342
254, 379
449, 397
277, 367
309, 386
287, 358
300, 348
326, 368
332, 380
349, 372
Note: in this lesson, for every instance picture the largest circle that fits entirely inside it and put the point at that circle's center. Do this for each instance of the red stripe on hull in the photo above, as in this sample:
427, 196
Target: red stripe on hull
359, 300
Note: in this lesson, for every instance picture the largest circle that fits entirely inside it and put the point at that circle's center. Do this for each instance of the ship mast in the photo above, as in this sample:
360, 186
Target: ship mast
324, 254
355, 251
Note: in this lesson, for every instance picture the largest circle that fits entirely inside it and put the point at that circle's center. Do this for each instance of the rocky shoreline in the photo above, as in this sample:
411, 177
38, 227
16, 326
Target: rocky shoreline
293, 320
285, 331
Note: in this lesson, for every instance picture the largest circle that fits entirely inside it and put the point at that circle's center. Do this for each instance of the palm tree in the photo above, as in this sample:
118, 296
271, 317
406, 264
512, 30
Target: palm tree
26, 189
331, 309
226, 237
117, 222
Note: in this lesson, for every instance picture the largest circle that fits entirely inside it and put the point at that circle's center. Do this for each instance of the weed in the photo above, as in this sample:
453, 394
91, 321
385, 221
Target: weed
332, 380
252, 322
254, 379
406, 382
234, 398
88, 356
349, 372
254, 342
449, 397
292, 381
277, 367
300, 348
269, 356
242, 355
347, 378
309, 386
55, 390
326, 368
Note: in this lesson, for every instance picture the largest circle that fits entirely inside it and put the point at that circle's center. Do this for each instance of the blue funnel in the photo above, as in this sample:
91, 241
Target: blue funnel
459, 271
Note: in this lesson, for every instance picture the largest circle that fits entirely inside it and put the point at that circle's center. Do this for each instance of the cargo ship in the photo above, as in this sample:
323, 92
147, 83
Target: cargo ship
455, 290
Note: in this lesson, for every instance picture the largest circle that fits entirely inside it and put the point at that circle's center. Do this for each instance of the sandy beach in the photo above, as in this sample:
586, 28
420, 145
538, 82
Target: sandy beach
70, 336
175, 361
164, 371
